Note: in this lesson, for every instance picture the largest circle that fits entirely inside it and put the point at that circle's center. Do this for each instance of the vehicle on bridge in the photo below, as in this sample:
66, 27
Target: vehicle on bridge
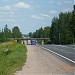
33, 42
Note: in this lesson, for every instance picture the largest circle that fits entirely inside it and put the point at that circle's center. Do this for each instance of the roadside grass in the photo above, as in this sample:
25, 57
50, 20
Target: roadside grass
12, 59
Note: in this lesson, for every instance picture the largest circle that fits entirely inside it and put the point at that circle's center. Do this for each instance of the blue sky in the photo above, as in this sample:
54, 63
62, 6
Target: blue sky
30, 15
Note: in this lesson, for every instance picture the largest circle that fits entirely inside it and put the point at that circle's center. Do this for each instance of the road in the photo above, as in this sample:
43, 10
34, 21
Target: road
42, 62
67, 51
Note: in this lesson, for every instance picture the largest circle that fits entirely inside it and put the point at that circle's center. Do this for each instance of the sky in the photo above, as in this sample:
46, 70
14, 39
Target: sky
30, 15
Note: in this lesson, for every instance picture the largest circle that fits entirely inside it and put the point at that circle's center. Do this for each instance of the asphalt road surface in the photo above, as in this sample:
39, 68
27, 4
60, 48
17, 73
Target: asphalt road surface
67, 51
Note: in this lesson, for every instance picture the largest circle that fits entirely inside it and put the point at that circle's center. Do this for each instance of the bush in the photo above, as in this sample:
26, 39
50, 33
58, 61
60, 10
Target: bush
12, 57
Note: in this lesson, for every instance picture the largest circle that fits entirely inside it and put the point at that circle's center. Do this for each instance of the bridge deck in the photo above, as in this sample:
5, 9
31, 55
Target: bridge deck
30, 38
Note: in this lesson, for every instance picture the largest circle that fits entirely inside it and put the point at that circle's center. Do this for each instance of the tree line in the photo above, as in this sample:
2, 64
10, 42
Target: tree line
6, 33
61, 31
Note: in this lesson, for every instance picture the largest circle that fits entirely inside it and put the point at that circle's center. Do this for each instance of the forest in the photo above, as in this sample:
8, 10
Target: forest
61, 31
6, 33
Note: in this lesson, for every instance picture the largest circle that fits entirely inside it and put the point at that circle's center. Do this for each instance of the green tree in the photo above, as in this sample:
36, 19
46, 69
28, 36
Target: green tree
72, 24
6, 31
47, 32
30, 34
16, 32
55, 31
41, 33
60, 30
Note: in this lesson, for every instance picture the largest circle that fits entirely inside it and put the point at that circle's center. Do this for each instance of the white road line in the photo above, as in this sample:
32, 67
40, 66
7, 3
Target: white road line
73, 48
64, 46
58, 54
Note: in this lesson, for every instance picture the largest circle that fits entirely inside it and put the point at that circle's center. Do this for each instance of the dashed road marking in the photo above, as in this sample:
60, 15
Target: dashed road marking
64, 46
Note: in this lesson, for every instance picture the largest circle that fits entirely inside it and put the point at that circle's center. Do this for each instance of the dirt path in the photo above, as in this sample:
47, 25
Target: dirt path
42, 62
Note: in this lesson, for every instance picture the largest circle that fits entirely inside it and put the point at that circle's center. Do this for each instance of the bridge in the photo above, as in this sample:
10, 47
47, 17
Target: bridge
27, 39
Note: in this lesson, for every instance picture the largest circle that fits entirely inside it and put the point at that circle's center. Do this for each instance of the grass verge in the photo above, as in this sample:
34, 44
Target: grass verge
13, 58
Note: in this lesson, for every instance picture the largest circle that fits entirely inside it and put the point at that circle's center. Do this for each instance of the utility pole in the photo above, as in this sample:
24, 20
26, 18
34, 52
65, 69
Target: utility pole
74, 24
59, 38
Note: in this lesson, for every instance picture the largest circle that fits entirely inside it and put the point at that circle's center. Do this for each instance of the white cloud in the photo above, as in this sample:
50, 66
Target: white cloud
54, 2
7, 16
40, 16
67, 2
19, 5
52, 11
22, 5
9, 0
5, 8
1, 16
7, 13
37, 17
51, 2
59, 3
44, 15
67, 9
6, 20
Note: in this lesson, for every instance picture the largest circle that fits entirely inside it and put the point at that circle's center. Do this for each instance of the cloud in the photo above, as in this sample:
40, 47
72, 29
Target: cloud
7, 20
44, 15
7, 13
22, 5
67, 9
54, 2
1, 16
19, 5
37, 17
51, 2
67, 2
40, 16
7, 16
9, 0
5, 8
52, 11
59, 3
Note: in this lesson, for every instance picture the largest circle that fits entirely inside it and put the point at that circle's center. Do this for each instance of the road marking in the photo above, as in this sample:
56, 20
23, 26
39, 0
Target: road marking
70, 52
64, 46
58, 54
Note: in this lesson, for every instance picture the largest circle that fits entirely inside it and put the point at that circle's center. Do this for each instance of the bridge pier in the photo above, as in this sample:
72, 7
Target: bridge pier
15, 40
25, 41
42, 42
22, 42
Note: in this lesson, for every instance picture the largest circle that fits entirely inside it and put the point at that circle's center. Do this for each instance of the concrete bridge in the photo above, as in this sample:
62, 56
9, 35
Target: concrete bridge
25, 40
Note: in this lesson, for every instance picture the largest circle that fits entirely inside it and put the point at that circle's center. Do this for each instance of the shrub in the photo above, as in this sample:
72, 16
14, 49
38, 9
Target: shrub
12, 57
